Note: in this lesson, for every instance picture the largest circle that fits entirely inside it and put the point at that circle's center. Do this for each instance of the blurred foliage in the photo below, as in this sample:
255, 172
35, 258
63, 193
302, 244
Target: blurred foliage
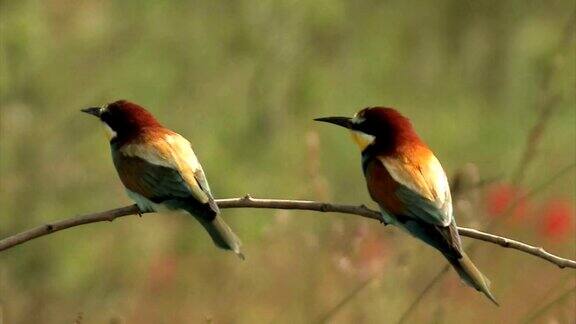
243, 81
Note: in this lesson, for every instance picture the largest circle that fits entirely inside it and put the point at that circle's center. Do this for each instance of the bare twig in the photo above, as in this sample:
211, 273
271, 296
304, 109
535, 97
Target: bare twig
504, 242
249, 202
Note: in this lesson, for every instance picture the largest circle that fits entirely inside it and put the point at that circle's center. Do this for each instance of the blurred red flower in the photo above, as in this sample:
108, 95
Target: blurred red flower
501, 196
557, 219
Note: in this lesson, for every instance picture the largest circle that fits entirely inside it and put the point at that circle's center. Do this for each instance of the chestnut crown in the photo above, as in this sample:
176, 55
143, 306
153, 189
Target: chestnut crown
124, 117
381, 122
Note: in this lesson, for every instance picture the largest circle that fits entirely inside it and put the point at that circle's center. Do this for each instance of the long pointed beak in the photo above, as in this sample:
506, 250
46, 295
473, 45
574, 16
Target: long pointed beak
96, 111
345, 122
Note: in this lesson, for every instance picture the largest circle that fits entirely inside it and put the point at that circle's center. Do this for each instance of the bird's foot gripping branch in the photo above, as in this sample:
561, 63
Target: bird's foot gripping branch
249, 202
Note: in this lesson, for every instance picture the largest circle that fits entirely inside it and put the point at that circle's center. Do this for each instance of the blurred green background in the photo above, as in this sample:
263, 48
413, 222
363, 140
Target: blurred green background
243, 81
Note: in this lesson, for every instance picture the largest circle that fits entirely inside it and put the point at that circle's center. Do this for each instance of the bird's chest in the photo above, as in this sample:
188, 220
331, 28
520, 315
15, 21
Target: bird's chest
132, 172
382, 187
122, 166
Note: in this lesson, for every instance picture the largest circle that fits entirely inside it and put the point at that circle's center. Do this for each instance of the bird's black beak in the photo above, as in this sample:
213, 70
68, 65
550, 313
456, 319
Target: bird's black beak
345, 122
96, 111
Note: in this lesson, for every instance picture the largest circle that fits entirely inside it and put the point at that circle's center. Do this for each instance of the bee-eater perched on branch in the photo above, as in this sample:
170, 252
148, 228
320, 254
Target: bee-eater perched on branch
410, 186
159, 169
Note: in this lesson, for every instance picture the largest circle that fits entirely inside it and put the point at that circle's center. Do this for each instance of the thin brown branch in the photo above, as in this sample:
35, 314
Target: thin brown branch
249, 202
504, 242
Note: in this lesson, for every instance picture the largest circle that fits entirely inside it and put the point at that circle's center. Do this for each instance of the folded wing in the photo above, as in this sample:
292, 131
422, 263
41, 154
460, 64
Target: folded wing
164, 169
417, 189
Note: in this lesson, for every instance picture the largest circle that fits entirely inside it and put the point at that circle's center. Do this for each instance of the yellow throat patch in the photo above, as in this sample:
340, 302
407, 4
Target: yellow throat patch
362, 139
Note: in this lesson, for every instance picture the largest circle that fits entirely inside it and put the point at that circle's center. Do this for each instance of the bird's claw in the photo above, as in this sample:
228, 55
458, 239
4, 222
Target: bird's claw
382, 221
139, 211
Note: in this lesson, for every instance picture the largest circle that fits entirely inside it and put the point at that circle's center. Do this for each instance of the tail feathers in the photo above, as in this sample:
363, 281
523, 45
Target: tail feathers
472, 276
222, 234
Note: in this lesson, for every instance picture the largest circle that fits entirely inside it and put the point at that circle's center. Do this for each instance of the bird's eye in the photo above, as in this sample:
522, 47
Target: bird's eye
359, 117
364, 111
106, 116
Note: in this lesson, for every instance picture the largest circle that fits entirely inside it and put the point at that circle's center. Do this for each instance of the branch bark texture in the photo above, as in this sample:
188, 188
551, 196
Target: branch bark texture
249, 202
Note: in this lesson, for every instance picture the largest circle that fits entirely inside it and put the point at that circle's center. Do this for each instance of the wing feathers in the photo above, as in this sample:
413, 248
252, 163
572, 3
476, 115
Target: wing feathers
163, 166
421, 188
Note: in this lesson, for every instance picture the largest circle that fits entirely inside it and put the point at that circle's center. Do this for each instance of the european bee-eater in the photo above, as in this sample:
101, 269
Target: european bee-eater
408, 183
159, 169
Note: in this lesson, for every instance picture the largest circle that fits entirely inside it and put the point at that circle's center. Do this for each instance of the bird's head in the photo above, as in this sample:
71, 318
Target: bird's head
123, 118
376, 125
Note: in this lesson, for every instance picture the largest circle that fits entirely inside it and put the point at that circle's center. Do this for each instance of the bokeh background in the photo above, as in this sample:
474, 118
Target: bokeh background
490, 85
